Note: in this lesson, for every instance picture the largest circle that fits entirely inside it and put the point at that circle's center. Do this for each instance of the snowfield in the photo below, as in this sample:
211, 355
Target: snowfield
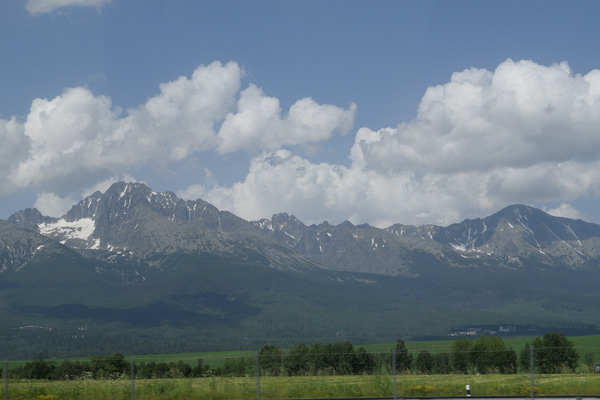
80, 229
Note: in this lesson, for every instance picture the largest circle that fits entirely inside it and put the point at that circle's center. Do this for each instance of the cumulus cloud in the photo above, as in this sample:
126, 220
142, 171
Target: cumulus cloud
80, 134
520, 115
102, 186
52, 205
258, 124
282, 182
566, 211
48, 6
524, 133
14, 146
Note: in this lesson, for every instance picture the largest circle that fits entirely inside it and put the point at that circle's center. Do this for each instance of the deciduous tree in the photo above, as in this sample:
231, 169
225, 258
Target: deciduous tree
553, 353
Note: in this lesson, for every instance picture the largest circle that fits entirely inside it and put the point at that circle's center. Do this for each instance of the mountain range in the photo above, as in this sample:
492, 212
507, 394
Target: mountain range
152, 272
512, 238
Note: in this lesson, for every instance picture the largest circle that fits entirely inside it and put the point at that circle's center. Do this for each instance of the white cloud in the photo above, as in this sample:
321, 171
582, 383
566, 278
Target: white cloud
48, 6
105, 184
257, 124
79, 134
524, 133
520, 115
78, 131
280, 181
52, 205
14, 149
566, 211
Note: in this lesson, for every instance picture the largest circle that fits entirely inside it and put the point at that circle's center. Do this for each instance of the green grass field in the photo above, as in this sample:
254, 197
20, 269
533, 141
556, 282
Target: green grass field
583, 344
306, 387
379, 385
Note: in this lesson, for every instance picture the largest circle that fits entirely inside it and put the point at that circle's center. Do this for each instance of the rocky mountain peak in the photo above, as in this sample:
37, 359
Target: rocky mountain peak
18, 245
285, 228
104, 220
346, 225
511, 237
132, 219
525, 232
29, 218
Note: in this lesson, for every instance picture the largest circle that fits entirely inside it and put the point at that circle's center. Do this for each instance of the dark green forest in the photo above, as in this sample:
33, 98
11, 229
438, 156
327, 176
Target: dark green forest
61, 307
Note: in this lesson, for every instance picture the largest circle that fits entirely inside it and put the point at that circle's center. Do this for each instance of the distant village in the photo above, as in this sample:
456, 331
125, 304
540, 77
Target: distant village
510, 329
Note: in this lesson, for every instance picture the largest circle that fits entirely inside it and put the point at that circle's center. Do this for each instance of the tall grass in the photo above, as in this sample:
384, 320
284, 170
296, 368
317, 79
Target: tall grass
307, 386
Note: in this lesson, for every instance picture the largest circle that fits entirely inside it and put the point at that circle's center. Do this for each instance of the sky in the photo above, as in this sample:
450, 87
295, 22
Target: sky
378, 112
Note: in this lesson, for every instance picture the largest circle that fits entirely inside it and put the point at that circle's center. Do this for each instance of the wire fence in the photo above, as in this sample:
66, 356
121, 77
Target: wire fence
300, 372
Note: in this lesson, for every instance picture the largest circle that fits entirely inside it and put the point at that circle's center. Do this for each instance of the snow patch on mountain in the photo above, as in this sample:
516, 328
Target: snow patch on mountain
459, 247
78, 229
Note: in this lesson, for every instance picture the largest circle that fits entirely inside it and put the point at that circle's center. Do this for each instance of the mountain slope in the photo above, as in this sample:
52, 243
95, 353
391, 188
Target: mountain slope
133, 219
151, 272
515, 237
527, 233
18, 246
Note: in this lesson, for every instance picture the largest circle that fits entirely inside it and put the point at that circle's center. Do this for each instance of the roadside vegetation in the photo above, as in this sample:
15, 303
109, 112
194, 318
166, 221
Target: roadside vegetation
378, 385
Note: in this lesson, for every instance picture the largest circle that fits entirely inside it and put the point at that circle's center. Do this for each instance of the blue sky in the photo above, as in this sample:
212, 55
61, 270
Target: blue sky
380, 112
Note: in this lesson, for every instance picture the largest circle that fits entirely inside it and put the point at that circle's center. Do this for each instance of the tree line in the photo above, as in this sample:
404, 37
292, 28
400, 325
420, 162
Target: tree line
553, 353
115, 366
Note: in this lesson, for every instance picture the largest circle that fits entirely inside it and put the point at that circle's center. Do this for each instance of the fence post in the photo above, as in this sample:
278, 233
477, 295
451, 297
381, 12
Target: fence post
257, 376
531, 371
132, 379
5, 379
394, 372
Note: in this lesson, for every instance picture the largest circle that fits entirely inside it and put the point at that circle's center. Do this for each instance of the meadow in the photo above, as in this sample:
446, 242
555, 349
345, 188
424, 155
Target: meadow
583, 344
307, 387
379, 384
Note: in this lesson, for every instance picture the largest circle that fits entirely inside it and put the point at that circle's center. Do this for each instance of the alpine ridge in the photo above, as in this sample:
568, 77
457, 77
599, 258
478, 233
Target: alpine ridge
132, 218
135, 220
515, 237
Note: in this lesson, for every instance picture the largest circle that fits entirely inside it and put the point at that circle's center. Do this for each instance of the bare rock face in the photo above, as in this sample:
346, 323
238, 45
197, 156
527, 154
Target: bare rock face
515, 237
19, 245
132, 219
